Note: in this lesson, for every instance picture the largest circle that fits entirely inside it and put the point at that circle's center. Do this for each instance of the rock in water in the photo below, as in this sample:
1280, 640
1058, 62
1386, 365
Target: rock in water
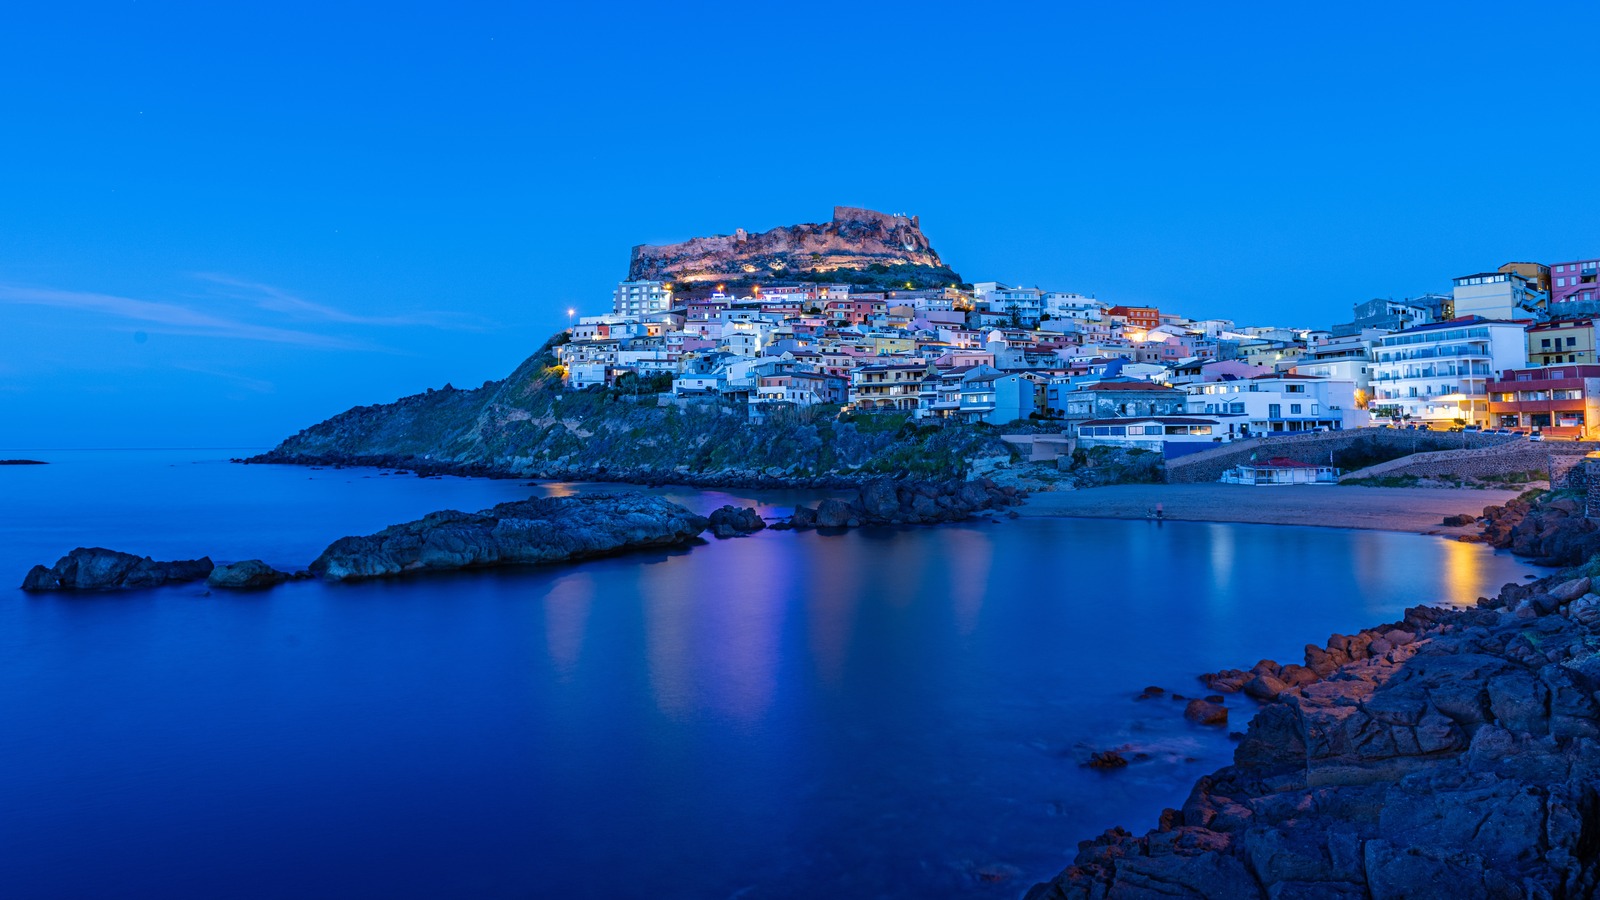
252, 573
833, 513
541, 530
99, 569
730, 521
1206, 712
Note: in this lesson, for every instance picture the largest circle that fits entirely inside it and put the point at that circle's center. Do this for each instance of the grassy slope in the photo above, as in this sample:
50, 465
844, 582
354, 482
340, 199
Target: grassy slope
529, 425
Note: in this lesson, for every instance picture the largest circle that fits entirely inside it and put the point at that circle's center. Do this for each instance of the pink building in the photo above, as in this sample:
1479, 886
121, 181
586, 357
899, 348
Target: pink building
1574, 280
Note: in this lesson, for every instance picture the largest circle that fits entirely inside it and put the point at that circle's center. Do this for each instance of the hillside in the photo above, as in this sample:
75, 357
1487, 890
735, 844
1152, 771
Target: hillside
528, 426
857, 246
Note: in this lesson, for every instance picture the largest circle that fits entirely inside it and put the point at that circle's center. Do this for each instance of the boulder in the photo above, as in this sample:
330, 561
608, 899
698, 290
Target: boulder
1459, 521
1206, 713
252, 573
1106, 759
730, 521
1567, 591
99, 569
833, 513
879, 500
804, 517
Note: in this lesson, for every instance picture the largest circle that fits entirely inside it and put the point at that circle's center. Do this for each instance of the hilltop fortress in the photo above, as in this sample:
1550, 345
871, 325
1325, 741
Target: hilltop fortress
855, 243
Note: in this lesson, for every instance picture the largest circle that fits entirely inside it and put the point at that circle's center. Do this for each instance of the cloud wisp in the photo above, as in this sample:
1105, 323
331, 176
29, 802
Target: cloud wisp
171, 318
274, 299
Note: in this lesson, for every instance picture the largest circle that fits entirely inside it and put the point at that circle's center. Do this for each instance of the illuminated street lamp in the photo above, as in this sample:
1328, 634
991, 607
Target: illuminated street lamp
570, 312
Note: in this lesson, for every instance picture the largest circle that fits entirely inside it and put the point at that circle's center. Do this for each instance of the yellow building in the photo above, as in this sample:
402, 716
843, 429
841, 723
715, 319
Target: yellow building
1562, 341
1271, 355
886, 345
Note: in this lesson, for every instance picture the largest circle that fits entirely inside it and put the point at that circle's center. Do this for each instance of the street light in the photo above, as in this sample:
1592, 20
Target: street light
570, 312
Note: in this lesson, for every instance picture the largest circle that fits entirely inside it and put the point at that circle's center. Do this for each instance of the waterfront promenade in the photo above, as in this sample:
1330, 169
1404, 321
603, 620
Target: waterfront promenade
1417, 510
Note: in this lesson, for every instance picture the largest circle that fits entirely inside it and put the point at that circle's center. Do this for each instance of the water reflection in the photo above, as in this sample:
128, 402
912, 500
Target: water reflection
566, 613
887, 713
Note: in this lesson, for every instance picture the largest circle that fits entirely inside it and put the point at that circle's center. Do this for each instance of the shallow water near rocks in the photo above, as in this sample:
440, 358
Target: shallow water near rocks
890, 712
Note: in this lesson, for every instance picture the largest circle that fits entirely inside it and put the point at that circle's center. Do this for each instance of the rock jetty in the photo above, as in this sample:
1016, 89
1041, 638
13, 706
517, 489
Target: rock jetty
541, 530
99, 569
1452, 754
887, 502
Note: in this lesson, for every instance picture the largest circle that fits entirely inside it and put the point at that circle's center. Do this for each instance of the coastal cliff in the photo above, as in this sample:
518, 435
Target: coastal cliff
857, 246
528, 426
1452, 754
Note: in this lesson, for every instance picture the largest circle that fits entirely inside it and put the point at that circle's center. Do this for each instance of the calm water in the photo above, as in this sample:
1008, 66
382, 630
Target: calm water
881, 713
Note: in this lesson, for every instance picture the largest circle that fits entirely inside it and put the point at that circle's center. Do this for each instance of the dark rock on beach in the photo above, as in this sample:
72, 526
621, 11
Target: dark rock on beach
731, 521
1551, 530
99, 569
249, 574
541, 530
1453, 754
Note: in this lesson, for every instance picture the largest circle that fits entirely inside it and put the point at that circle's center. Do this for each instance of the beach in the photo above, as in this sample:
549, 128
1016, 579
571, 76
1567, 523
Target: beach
1415, 510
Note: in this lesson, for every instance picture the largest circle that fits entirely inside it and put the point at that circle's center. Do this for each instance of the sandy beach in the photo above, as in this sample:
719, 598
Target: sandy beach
1417, 510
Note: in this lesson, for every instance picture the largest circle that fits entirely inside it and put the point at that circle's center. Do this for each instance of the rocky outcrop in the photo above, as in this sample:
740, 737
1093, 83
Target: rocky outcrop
247, 575
1551, 529
731, 521
23, 462
854, 240
1455, 753
884, 501
99, 569
541, 530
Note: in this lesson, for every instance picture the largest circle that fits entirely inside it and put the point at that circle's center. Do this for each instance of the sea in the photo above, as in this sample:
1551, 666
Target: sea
885, 712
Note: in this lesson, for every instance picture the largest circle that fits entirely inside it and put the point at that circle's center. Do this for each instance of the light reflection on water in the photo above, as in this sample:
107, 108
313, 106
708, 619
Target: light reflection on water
883, 712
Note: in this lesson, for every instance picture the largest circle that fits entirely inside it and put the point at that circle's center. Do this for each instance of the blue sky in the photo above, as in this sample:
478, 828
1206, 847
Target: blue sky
220, 223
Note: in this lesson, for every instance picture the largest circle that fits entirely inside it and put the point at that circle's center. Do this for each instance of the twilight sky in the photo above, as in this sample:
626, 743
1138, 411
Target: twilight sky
220, 223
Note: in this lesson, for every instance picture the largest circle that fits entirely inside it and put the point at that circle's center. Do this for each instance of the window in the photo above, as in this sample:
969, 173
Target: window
1544, 344
1274, 411
1294, 409
1572, 342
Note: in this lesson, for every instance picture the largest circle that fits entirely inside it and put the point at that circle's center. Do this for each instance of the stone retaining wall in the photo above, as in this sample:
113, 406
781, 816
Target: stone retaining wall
1558, 459
1314, 447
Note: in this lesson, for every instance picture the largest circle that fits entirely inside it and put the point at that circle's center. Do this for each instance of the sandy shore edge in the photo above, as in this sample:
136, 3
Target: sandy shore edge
1414, 510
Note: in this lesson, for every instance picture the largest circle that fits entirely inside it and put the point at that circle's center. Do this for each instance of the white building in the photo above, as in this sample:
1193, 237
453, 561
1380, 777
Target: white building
1341, 359
1065, 305
1440, 373
1273, 404
1023, 306
1497, 295
1154, 433
637, 299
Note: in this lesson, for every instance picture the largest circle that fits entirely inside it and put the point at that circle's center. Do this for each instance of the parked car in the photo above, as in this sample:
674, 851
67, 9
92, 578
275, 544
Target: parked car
1536, 436
1472, 429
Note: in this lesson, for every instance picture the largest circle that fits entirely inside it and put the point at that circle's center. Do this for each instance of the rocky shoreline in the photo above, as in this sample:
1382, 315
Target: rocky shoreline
1455, 753
750, 479
534, 531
